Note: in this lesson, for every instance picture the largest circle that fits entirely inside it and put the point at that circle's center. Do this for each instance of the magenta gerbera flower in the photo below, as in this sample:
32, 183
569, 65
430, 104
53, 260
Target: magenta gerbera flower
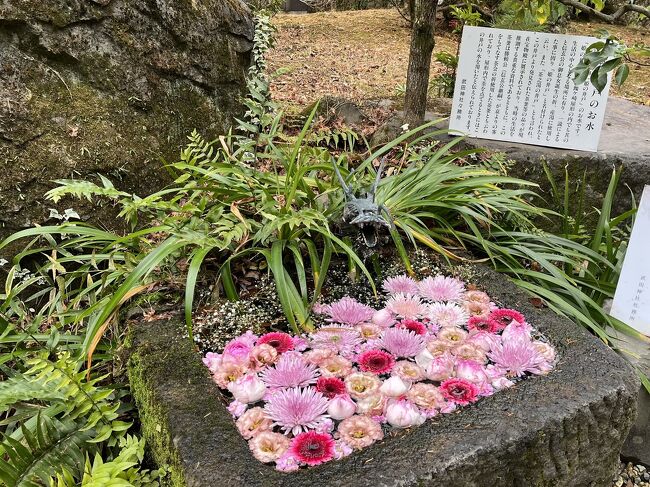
400, 284
296, 409
348, 311
459, 391
441, 288
339, 339
414, 326
312, 448
483, 323
376, 361
291, 370
506, 316
330, 386
282, 342
406, 305
517, 356
402, 342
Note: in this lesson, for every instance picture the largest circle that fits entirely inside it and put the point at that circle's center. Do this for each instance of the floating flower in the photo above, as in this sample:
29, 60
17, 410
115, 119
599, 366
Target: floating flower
287, 463
360, 431
394, 387
212, 361
312, 448
437, 347
268, 446
506, 316
474, 296
414, 326
409, 371
296, 409
451, 336
447, 314
426, 396
237, 408
469, 351
339, 339
471, 370
291, 370
252, 422
342, 450
237, 350
483, 323
403, 414
401, 342
335, 366
362, 384
330, 386
348, 311
317, 355
441, 288
383, 318
478, 309
441, 367
341, 407
372, 405
376, 361
515, 330
407, 306
368, 331
424, 358
282, 342
519, 356
459, 391
263, 355
547, 351
400, 284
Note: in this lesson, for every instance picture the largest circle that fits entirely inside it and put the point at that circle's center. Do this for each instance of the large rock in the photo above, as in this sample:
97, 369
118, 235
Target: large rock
110, 86
562, 430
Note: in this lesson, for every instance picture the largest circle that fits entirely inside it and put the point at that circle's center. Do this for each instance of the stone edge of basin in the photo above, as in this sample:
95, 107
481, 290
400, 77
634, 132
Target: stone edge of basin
563, 429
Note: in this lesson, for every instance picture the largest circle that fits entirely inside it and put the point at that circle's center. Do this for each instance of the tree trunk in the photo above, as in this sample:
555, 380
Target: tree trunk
422, 44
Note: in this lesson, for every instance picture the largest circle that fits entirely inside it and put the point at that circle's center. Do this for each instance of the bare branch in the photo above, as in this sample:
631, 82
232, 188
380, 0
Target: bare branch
623, 9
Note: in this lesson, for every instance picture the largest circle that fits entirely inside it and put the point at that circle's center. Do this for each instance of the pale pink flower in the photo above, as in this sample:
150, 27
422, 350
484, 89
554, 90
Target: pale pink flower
447, 314
339, 339
317, 355
291, 370
469, 351
237, 350
341, 407
212, 361
400, 284
406, 306
426, 396
228, 372
482, 339
263, 355
424, 358
383, 318
335, 366
326, 426
348, 311
441, 367
437, 347
518, 356
362, 384
441, 288
297, 409
471, 370
237, 408
341, 449
247, 389
394, 387
408, 370
368, 331
452, 336
403, 414
478, 309
402, 342
517, 329
268, 446
501, 383
300, 344
475, 296
360, 431
372, 405
252, 422
287, 463
546, 350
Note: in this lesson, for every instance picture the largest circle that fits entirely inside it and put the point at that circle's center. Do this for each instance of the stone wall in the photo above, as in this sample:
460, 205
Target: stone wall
111, 87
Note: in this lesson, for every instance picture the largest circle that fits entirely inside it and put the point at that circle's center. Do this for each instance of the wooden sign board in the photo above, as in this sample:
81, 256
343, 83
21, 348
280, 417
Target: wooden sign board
515, 86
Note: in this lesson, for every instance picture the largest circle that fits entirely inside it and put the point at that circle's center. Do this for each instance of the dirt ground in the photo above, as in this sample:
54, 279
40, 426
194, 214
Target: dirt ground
363, 55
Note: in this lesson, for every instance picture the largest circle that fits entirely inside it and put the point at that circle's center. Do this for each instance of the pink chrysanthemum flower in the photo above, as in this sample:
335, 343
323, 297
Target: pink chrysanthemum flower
282, 342
296, 409
506, 316
400, 284
376, 361
348, 311
441, 288
312, 448
291, 370
459, 391
407, 306
402, 342
518, 356
339, 339
447, 314
414, 326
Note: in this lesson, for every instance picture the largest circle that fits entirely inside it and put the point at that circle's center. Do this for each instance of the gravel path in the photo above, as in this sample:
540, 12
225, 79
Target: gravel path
631, 475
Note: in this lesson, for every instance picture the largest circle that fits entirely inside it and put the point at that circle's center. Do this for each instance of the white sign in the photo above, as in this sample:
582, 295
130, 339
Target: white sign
514, 85
632, 299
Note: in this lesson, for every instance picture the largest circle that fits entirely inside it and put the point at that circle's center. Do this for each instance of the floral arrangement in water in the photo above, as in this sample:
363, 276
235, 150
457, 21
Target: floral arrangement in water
434, 347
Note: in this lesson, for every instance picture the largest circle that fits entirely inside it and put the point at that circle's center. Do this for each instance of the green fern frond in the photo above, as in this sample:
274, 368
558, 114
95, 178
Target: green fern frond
84, 189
